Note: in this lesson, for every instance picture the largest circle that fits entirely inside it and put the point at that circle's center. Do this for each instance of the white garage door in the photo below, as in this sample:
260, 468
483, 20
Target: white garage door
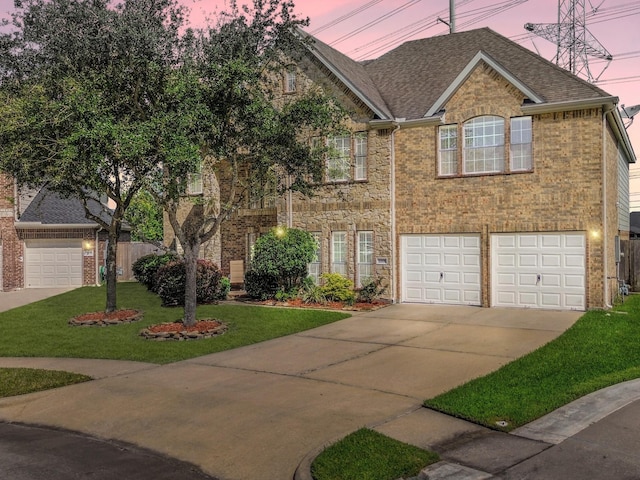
538, 270
53, 263
441, 269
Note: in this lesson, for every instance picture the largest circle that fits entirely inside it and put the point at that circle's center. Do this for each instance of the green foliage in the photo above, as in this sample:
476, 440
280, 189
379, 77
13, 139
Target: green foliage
284, 254
599, 350
41, 329
369, 455
311, 293
145, 269
144, 215
260, 286
371, 289
337, 288
171, 283
225, 288
20, 381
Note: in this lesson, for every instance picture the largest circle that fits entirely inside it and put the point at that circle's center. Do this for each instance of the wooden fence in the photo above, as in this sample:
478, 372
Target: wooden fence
129, 252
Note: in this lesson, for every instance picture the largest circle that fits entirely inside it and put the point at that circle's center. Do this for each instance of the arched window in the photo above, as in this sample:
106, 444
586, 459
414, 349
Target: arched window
483, 145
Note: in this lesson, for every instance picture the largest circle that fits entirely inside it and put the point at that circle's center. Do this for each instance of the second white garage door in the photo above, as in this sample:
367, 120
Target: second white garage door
53, 263
441, 269
538, 270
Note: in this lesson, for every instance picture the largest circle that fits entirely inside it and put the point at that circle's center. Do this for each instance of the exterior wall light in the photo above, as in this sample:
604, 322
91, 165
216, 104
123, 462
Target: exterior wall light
87, 245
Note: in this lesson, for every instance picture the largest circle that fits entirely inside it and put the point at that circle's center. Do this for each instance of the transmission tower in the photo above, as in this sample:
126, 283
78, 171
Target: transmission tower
574, 41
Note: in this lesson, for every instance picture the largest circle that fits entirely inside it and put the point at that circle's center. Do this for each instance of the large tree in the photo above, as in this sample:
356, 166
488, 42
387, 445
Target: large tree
250, 136
86, 91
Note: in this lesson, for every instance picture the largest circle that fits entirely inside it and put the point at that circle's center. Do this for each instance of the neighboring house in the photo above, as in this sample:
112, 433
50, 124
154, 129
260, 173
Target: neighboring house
476, 173
46, 240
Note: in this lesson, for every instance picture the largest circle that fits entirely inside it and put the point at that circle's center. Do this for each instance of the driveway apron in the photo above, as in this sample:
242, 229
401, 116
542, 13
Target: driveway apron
257, 411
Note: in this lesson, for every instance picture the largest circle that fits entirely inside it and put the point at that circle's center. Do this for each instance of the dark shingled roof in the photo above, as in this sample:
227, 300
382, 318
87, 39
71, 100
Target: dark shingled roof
49, 208
409, 79
353, 72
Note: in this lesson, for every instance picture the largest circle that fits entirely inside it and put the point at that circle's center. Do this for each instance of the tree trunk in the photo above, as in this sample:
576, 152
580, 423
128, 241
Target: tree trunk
111, 273
190, 293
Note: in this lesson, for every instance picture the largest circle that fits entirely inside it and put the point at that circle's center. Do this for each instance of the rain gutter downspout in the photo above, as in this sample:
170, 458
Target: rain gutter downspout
605, 262
395, 253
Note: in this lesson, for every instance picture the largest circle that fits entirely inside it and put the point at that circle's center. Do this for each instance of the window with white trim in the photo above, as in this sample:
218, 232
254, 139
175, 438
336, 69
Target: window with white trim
365, 258
347, 157
290, 80
339, 252
448, 151
484, 145
360, 155
194, 181
338, 162
520, 149
315, 266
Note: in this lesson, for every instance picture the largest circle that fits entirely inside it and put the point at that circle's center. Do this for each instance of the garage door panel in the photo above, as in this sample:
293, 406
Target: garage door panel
550, 270
449, 266
53, 263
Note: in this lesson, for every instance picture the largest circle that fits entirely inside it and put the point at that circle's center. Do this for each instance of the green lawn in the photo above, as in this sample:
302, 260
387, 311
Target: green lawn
599, 350
369, 455
41, 329
18, 381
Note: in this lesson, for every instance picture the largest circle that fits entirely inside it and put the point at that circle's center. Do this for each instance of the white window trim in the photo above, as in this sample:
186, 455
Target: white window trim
448, 128
290, 81
340, 263
487, 141
315, 267
362, 265
351, 158
513, 142
194, 182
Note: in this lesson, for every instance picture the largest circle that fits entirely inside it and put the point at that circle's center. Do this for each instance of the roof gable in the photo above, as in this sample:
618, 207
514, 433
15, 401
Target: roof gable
466, 72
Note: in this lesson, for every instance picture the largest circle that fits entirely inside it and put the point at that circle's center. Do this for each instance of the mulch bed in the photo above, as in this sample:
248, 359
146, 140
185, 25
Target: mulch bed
103, 319
298, 303
178, 331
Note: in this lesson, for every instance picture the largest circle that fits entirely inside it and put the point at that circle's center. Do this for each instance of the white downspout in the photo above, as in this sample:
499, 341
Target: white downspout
605, 250
395, 254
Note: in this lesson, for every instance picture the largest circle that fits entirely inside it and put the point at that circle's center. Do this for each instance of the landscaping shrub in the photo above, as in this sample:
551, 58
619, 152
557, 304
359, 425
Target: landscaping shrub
171, 281
146, 268
284, 255
337, 288
371, 289
260, 286
311, 293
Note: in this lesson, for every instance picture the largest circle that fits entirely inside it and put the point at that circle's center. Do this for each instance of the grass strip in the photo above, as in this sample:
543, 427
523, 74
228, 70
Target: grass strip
599, 350
369, 455
41, 329
18, 381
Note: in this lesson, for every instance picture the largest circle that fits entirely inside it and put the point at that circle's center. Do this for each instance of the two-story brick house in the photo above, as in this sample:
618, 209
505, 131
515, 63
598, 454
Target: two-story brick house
476, 173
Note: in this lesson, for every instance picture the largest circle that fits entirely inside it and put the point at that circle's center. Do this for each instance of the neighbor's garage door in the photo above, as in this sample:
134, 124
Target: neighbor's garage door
441, 269
538, 270
53, 263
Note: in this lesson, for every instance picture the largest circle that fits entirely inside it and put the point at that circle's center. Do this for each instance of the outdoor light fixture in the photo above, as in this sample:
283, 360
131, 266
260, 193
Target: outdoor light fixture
595, 234
87, 245
280, 232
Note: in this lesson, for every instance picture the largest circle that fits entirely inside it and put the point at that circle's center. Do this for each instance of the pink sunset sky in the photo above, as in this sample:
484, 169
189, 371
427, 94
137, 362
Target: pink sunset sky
381, 24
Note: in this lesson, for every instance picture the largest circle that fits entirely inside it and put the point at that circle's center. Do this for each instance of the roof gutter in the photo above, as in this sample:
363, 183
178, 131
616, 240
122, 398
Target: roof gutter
568, 106
53, 226
403, 123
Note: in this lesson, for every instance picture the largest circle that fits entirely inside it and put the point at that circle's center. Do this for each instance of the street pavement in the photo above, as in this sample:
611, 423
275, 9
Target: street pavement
263, 411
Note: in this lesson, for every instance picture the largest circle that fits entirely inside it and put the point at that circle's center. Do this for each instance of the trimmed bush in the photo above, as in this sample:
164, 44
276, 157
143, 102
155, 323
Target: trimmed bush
171, 280
284, 255
260, 286
146, 268
337, 288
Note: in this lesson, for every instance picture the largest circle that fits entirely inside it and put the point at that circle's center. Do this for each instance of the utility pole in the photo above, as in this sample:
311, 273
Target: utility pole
575, 44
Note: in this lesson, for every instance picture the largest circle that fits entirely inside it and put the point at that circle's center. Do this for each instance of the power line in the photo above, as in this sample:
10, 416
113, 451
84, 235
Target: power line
346, 16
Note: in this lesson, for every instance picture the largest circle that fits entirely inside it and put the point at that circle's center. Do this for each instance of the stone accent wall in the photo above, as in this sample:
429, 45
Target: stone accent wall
563, 192
11, 248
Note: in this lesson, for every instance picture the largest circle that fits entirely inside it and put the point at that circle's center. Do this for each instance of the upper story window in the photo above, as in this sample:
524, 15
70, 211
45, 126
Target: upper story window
448, 164
290, 80
264, 194
520, 150
347, 158
194, 182
483, 146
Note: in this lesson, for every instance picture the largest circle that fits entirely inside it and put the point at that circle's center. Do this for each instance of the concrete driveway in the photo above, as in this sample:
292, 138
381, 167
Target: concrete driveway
18, 298
257, 411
